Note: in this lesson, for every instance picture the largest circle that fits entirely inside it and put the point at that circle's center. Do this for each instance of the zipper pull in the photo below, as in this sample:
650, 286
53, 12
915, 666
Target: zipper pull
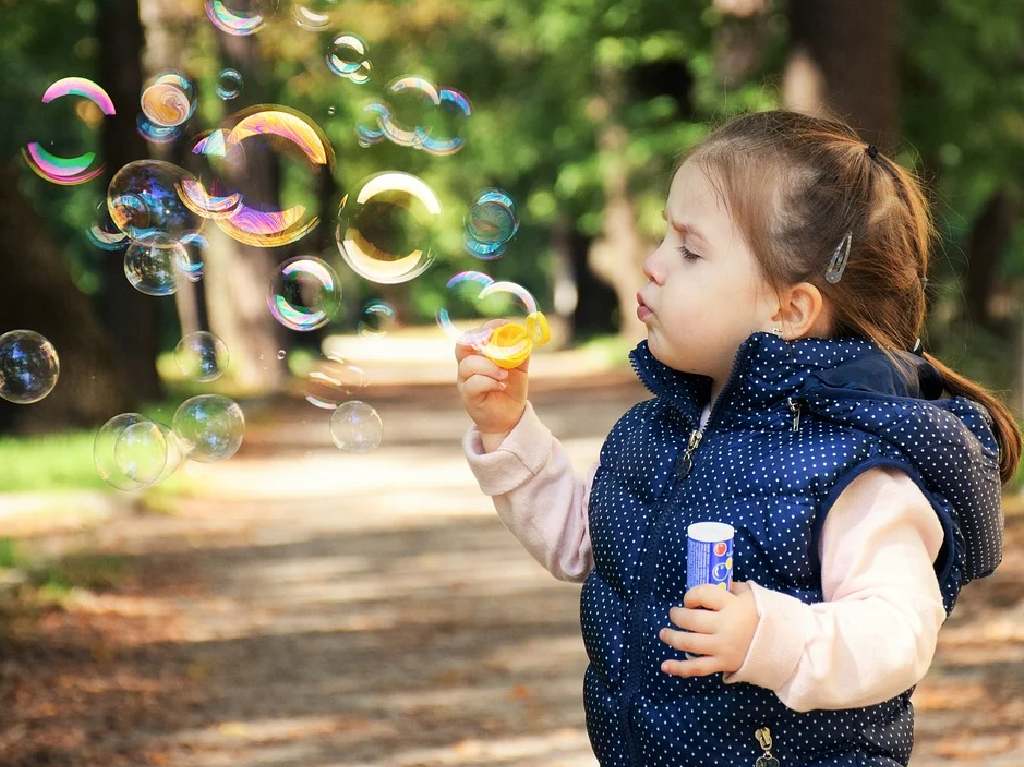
794, 408
764, 739
685, 460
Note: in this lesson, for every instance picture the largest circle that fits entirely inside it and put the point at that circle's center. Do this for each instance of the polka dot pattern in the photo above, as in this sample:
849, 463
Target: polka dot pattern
797, 421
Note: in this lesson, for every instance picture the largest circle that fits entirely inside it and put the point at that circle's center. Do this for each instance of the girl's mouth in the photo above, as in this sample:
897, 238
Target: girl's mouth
643, 311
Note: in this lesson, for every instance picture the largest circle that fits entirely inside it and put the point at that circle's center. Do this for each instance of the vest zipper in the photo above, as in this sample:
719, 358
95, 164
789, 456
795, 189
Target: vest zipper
686, 460
794, 408
764, 739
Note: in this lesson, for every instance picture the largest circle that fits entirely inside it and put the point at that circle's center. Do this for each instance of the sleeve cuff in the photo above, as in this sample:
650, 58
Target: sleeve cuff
519, 457
783, 628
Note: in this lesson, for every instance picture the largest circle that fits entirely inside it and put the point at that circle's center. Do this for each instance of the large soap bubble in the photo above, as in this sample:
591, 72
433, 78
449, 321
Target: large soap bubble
210, 427
201, 356
154, 268
144, 202
132, 452
29, 367
239, 17
59, 169
490, 224
386, 229
333, 381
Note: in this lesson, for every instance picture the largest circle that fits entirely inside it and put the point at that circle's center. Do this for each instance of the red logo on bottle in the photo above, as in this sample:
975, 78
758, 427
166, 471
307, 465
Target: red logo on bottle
720, 549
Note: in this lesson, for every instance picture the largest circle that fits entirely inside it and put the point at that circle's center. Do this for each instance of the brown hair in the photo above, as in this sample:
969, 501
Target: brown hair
795, 185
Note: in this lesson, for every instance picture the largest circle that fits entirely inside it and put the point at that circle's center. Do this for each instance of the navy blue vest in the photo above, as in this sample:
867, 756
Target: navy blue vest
794, 424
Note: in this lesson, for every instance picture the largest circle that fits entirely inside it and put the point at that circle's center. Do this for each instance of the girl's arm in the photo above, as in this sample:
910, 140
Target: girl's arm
537, 495
875, 635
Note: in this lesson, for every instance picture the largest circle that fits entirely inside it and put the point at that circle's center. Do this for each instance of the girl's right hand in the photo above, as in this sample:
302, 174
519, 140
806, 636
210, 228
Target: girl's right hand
494, 397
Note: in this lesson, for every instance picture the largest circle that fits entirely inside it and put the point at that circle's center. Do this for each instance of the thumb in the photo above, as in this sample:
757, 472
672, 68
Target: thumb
739, 587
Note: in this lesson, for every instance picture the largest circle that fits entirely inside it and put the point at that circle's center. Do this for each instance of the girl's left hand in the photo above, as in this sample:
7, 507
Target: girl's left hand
722, 633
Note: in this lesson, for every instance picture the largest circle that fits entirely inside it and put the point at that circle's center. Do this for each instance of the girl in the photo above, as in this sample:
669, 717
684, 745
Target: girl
862, 479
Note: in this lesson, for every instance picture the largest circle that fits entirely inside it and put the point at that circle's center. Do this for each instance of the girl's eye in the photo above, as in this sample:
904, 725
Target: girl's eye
688, 254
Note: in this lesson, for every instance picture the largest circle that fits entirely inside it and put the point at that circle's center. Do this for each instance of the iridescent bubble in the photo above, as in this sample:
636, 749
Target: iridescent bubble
209, 195
385, 231
201, 356
144, 203
304, 294
347, 58
442, 133
356, 427
460, 318
281, 354
154, 268
68, 171
169, 100
104, 234
29, 367
377, 318
273, 228
313, 15
491, 223
157, 134
332, 381
210, 427
229, 84
238, 17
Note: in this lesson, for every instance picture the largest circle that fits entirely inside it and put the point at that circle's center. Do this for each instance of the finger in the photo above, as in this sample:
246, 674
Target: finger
476, 386
739, 587
694, 619
712, 596
696, 667
687, 641
476, 364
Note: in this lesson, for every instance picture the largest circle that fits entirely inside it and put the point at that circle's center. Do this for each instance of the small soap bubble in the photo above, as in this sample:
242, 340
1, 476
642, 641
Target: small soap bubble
201, 356
346, 57
490, 225
332, 110
154, 268
281, 354
443, 132
169, 100
378, 317
370, 126
356, 427
333, 381
210, 427
144, 203
29, 367
304, 293
385, 230
194, 265
104, 233
229, 84
314, 15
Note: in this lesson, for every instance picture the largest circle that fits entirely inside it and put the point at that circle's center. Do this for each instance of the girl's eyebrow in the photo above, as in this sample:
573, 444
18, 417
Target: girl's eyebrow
685, 228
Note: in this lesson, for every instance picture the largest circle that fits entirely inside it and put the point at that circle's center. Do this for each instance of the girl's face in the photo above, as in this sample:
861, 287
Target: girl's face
705, 295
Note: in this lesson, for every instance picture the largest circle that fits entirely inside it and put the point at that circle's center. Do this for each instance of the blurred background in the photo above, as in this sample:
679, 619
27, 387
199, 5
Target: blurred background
313, 602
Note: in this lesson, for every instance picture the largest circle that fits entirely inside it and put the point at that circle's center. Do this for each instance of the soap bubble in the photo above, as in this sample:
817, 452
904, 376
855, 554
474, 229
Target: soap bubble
29, 367
420, 115
385, 231
369, 127
238, 17
210, 427
229, 84
490, 224
293, 131
78, 169
201, 356
377, 318
333, 381
281, 354
442, 133
356, 427
131, 452
153, 268
304, 293
209, 195
157, 134
193, 266
144, 203
346, 58
169, 100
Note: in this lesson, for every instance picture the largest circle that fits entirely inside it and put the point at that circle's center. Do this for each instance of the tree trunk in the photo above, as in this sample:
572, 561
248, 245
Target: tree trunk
842, 63
989, 236
43, 298
131, 318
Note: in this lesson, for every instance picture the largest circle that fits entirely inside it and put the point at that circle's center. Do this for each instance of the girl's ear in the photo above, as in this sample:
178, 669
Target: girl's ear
802, 311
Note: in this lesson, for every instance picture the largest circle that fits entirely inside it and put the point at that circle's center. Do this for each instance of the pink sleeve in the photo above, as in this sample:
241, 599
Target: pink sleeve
537, 495
878, 545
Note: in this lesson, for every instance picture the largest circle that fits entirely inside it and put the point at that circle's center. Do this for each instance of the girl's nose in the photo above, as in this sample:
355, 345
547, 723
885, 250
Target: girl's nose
650, 268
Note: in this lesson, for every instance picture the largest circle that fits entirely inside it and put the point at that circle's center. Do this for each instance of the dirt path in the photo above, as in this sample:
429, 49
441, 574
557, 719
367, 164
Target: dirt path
317, 609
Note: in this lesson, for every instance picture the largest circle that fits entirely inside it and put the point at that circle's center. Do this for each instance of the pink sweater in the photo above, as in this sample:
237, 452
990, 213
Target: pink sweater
877, 547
